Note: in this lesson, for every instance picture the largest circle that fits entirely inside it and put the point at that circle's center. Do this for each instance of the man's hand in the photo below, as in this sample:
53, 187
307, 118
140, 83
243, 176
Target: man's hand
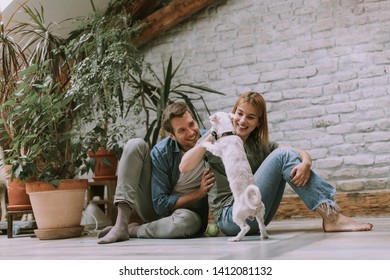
207, 181
188, 198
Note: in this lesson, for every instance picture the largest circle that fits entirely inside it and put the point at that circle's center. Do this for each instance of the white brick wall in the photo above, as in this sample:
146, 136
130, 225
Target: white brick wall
323, 66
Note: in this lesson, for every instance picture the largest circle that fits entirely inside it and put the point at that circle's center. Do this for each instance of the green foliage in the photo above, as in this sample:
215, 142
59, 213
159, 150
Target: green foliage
37, 117
156, 95
42, 117
31, 42
105, 60
61, 98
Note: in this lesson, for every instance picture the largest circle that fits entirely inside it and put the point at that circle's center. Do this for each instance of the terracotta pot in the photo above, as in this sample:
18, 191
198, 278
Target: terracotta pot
102, 170
17, 196
58, 210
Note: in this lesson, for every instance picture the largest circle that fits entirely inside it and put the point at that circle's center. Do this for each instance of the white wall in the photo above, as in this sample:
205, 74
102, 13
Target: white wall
323, 66
55, 10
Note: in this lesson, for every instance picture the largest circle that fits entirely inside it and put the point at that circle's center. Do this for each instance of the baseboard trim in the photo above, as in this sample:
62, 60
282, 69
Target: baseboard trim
374, 203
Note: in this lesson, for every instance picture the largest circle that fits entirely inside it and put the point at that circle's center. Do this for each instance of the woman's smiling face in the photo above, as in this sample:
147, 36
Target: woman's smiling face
246, 120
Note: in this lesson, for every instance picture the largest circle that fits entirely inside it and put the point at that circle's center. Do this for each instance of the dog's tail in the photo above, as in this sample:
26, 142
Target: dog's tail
252, 197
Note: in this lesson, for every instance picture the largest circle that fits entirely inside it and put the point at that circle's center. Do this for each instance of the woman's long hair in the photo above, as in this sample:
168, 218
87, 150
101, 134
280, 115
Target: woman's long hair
260, 133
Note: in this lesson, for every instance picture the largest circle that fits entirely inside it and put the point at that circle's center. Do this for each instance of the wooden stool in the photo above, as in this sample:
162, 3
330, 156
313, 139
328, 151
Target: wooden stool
10, 217
108, 199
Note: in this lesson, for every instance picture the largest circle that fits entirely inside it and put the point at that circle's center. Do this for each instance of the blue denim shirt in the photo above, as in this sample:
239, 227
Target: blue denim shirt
166, 158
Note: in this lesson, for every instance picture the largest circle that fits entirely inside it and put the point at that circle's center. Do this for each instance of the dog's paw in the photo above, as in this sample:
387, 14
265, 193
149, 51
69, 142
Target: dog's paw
264, 235
234, 239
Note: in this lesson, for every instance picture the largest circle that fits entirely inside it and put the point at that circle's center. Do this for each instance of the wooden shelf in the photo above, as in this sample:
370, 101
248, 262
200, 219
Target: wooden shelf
108, 199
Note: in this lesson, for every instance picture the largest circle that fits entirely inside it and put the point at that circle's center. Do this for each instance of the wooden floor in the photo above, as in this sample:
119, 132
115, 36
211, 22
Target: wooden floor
295, 239
295, 247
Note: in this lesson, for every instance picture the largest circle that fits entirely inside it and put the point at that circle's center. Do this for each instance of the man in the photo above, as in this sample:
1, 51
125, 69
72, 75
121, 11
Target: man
173, 204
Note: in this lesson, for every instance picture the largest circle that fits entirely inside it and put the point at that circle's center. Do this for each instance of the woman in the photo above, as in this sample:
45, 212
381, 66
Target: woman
272, 165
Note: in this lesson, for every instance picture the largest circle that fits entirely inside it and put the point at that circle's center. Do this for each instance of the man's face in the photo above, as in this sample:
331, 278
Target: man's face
185, 131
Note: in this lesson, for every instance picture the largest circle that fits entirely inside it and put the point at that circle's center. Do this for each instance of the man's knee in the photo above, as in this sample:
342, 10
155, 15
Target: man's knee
135, 145
187, 221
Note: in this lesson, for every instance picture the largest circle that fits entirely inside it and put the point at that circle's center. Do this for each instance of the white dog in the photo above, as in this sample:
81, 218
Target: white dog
247, 198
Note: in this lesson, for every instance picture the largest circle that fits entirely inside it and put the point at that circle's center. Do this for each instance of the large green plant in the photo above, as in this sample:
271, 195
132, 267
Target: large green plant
155, 94
105, 58
12, 59
37, 114
22, 44
43, 115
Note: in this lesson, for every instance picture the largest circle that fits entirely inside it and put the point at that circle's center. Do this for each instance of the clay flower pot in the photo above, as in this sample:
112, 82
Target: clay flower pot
58, 210
18, 199
106, 164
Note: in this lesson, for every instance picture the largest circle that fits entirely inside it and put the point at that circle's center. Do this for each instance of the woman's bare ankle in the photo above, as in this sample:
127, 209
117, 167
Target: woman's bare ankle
334, 221
343, 223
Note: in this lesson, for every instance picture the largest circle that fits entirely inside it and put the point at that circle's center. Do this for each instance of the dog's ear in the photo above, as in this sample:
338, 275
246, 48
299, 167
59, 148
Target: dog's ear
213, 118
232, 116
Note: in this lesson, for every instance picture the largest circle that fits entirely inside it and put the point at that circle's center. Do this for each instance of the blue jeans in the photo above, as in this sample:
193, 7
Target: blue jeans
271, 178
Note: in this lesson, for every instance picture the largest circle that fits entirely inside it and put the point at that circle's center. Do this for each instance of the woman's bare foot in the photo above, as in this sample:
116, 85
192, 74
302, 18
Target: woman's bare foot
333, 221
338, 222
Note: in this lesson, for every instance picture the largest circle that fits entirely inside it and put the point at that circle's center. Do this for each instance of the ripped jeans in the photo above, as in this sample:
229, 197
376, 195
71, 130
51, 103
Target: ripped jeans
271, 178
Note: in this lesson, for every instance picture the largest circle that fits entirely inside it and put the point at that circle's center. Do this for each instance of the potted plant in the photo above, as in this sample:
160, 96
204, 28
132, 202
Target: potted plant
21, 44
42, 124
45, 154
155, 94
103, 151
13, 59
105, 58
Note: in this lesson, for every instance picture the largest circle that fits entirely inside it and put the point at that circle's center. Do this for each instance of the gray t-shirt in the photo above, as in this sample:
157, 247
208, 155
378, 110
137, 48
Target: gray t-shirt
190, 181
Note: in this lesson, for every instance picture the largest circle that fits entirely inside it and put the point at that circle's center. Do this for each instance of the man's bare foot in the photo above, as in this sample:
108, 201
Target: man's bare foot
133, 229
104, 231
135, 217
115, 234
338, 222
119, 231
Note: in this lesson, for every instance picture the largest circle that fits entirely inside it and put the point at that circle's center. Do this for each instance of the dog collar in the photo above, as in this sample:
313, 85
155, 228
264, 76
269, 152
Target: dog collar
217, 136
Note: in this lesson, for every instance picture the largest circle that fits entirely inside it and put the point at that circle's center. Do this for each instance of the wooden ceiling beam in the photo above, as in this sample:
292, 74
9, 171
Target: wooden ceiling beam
140, 9
163, 19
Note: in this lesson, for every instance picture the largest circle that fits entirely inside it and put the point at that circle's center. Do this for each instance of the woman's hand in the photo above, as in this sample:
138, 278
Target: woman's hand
300, 174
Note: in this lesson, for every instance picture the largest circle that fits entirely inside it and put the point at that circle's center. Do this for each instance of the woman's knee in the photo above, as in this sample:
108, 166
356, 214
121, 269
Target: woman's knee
283, 152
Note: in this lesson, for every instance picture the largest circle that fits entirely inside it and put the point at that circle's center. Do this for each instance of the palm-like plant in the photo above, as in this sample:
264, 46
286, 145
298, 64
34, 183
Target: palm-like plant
155, 97
12, 60
25, 44
36, 112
